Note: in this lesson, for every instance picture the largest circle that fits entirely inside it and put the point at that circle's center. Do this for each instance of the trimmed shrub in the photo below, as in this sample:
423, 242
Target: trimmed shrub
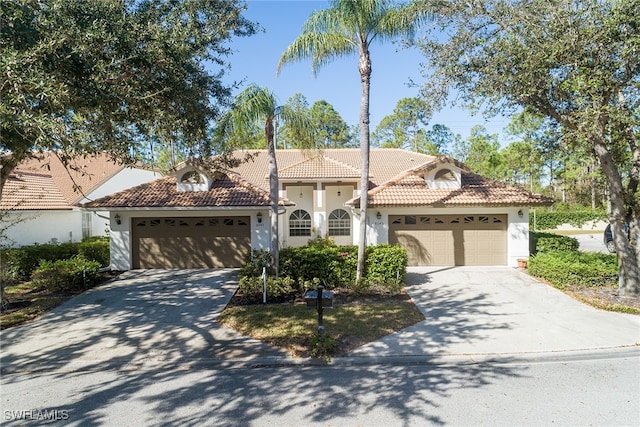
252, 287
96, 249
564, 268
22, 262
66, 274
254, 261
322, 262
545, 242
386, 265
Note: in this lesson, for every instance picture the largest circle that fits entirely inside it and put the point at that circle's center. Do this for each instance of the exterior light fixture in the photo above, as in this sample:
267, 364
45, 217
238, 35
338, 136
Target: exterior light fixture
259, 216
520, 213
379, 216
339, 193
118, 219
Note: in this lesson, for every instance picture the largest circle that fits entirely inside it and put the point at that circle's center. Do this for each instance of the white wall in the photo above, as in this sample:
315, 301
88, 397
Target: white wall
517, 230
29, 227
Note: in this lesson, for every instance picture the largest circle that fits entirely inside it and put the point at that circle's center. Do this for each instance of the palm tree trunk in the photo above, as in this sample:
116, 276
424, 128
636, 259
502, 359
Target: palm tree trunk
273, 192
365, 77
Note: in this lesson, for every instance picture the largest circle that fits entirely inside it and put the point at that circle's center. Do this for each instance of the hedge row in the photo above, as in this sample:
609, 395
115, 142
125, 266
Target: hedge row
549, 220
545, 242
18, 265
322, 262
565, 268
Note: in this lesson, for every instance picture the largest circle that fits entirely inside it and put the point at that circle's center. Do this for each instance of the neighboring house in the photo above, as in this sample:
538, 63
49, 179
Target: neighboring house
40, 200
433, 206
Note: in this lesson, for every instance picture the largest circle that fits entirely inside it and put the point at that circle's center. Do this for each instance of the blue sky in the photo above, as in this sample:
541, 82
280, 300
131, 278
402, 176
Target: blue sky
255, 60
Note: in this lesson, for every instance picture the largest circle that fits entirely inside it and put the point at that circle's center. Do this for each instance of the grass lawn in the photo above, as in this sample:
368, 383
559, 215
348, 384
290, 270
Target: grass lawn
27, 303
353, 322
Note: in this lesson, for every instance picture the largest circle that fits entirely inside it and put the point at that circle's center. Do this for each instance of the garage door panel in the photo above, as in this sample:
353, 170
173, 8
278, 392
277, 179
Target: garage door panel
484, 247
426, 247
190, 242
451, 239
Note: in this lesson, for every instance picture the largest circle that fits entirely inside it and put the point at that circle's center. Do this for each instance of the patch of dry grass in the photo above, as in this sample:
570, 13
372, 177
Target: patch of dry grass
351, 324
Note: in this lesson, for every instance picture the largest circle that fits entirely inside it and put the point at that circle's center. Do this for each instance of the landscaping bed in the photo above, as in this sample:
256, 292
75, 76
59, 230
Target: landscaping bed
356, 319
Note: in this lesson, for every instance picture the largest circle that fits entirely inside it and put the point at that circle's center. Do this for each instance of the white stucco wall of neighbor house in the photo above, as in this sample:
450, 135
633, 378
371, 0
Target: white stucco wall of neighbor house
29, 227
120, 234
517, 229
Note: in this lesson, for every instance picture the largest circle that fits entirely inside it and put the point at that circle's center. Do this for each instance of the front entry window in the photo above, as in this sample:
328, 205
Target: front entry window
339, 223
300, 223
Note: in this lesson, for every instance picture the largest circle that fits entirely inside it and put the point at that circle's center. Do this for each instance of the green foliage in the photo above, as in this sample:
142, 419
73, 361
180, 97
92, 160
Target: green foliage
545, 242
322, 262
334, 266
385, 268
252, 287
96, 249
84, 76
564, 268
254, 261
549, 220
322, 346
20, 263
330, 263
66, 274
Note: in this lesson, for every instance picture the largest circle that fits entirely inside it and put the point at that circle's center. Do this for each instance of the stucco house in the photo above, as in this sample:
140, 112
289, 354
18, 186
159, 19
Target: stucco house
40, 200
441, 212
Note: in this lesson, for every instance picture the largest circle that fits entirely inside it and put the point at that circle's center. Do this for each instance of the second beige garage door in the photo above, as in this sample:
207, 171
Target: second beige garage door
209, 242
451, 239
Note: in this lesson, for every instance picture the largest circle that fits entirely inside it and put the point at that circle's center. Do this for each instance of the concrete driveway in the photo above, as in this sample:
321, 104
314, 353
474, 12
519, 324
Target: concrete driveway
142, 317
499, 310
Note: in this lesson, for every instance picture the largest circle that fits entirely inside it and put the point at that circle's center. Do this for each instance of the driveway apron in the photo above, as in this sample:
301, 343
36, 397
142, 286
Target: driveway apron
143, 316
498, 310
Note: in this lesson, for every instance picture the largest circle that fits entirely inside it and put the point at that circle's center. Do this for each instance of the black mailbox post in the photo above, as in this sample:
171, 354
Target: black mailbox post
320, 300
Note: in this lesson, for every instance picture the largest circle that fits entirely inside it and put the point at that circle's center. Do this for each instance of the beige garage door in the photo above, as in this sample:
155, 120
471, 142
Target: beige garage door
190, 242
451, 239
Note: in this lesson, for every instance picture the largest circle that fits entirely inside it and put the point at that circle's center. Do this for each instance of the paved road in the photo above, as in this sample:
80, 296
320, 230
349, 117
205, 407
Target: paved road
601, 391
591, 242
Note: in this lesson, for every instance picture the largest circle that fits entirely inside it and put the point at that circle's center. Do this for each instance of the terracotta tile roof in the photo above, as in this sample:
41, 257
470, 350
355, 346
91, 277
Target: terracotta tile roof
227, 190
319, 167
410, 189
32, 191
60, 182
384, 164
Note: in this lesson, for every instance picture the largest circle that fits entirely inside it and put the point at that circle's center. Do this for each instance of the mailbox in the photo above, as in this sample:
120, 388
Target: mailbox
311, 297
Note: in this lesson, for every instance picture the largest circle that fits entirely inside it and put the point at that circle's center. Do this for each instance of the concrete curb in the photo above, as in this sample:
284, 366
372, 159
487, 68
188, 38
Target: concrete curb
346, 361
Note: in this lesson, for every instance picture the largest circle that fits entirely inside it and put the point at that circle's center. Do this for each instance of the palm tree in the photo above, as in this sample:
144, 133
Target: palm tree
259, 104
349, 27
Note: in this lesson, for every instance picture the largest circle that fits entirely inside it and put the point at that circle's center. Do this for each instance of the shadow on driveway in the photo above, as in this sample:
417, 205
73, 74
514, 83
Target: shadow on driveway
142, 316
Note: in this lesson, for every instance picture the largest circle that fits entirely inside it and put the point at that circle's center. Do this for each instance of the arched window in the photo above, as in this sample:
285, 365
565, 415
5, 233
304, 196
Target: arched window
445, 175
191, 177
300, 223
339, 223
